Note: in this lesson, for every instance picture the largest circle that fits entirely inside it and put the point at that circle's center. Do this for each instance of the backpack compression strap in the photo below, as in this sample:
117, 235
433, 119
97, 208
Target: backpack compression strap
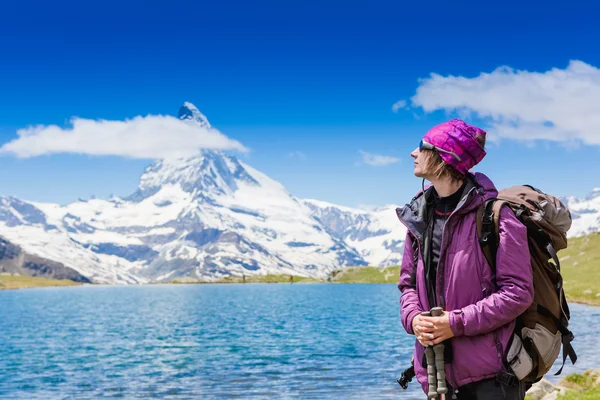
488, 216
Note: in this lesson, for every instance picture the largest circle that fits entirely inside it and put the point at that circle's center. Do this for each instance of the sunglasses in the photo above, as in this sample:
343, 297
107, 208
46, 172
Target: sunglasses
428, 146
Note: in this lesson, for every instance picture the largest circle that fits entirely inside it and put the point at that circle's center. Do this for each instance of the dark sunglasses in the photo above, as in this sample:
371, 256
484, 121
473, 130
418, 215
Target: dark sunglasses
428, 146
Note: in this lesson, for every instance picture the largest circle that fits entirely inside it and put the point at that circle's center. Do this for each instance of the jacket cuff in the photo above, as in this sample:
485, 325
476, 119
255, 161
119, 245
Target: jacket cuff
456, 322
409, 321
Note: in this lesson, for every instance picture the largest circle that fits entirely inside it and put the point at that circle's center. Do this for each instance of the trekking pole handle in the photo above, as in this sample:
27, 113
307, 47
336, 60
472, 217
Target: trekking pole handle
431, 372
438, 350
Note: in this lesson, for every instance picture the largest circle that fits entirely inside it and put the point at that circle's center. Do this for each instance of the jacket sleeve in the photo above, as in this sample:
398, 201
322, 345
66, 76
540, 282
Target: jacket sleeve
409, 301
514, 280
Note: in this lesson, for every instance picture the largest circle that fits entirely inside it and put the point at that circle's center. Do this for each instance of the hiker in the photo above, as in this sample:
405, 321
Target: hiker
443, 266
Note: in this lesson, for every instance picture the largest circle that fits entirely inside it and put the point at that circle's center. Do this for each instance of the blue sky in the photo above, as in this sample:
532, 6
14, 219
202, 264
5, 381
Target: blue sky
308, 88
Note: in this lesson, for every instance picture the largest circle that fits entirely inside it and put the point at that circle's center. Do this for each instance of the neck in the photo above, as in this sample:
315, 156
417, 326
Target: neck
446, 187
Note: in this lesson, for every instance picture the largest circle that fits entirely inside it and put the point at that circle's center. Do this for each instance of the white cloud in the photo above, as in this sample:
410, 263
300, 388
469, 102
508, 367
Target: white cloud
560, 105
297, 155
398, 105
153, 136
377, 160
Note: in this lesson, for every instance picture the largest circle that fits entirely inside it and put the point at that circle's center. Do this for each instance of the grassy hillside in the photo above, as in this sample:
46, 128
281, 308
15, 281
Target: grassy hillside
23, 282
580, 266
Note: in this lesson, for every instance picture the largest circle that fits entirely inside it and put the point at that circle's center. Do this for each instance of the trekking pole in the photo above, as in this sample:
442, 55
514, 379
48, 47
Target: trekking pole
431, 374
438, 350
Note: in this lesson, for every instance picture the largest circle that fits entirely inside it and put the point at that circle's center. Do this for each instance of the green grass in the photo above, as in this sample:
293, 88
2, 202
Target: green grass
580, 267
577, 380
367, 275
584, 386
591, 394
346, 275
23, 282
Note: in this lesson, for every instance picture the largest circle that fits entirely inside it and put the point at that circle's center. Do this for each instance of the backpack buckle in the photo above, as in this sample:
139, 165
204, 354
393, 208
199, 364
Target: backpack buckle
487, 222
488, 218
569, 337
484, 237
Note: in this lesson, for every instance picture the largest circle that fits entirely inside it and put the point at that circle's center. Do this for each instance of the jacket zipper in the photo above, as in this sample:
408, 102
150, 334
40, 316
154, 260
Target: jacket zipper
439, 278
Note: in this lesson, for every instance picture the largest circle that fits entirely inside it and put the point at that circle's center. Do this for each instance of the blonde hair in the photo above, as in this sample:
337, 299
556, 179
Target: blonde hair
440, 169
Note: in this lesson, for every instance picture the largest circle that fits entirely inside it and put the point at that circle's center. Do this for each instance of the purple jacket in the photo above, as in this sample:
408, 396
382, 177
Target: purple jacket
482, 307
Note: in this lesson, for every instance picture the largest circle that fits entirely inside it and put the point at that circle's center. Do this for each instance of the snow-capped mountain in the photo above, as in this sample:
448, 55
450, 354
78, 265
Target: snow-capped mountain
585, 213
204, 216
208, 216
189, 112
14, 261
376, 234
379, 238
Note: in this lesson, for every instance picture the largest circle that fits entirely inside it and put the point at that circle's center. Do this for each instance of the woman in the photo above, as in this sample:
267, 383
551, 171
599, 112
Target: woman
443, 266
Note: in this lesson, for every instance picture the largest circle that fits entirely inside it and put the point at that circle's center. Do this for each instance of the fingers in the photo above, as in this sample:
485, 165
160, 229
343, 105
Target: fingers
426, 336
441, 336
430, 320
439, 339
426, 339
424, 326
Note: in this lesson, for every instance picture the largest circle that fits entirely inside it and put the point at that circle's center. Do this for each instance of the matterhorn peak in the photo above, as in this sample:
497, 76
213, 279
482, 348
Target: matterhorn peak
189, 112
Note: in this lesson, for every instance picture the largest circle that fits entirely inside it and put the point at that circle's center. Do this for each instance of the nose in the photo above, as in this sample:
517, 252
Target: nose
415, 153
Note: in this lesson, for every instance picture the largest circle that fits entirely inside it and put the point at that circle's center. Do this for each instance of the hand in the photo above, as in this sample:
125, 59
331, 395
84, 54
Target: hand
423, 330
439, 328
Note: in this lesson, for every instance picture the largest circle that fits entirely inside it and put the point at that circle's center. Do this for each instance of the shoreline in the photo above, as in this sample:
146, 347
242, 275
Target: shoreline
17, 282
581, 277
569, 299
32, 283
4, 288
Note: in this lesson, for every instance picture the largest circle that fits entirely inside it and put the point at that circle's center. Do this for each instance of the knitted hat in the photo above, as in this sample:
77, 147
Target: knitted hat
460, 138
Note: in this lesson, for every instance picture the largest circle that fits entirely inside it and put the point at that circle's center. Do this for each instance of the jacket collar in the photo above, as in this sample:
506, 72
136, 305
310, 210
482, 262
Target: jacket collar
477, 190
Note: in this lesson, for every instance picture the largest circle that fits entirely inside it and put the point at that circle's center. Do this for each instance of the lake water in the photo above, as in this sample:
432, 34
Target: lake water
217, 341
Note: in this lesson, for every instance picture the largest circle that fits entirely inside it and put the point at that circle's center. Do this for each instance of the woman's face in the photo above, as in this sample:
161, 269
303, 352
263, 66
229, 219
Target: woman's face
420, 163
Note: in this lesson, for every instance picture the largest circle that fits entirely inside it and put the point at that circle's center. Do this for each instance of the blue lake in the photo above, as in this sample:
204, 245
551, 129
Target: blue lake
217, 341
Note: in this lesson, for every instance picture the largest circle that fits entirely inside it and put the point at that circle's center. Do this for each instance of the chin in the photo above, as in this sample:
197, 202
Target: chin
420, 174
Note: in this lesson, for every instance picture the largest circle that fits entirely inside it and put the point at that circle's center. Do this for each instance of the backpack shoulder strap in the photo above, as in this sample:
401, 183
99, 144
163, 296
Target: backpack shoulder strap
488, 216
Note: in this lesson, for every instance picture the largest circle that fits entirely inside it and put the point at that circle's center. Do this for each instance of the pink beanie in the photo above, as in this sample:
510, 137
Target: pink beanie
460, 138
